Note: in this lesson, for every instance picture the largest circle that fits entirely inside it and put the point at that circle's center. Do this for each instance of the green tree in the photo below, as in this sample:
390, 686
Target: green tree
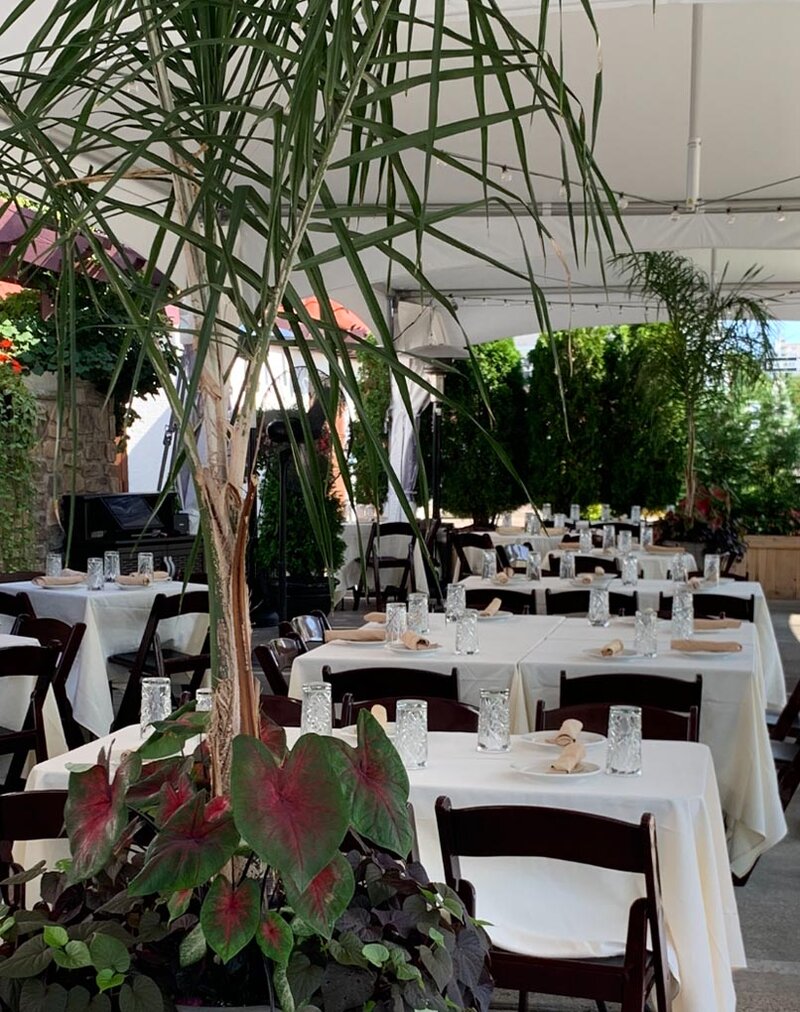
370, 481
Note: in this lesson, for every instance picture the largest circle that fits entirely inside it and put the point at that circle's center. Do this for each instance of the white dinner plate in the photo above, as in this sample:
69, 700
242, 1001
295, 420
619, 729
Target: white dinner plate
65, 586
542, 769
401, 648
499, 616
355, 643
142, 586
351, 731
627, 654
541, 738
711, 585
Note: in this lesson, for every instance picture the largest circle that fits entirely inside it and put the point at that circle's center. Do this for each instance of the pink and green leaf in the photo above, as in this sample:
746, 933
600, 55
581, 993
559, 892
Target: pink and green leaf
230, 915
96, 814
144, 794
275, 938
188, 851
294, 815
171, 797
273, 736
325, 898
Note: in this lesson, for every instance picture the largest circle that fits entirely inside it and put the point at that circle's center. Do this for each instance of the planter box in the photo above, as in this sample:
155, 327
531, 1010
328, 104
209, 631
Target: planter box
774, 561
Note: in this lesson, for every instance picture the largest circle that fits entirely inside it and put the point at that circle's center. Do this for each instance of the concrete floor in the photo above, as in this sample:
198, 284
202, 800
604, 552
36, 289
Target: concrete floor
769, 904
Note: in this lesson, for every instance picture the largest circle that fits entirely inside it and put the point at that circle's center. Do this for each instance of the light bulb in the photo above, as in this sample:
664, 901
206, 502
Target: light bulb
562, 191
622, 203
505, 174
781, 215
675, 213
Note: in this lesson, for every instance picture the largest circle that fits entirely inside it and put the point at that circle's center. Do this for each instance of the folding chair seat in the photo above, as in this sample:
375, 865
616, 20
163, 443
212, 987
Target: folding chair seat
152, 658
39, 664
462, 540
515, 831
443, 714
276, 658
67, 640
283, 710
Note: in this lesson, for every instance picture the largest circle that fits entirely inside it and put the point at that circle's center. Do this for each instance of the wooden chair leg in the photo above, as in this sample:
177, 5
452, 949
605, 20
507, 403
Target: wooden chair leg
522, 1005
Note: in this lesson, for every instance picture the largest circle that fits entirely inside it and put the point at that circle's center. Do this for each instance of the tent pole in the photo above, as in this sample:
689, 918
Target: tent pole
695, 142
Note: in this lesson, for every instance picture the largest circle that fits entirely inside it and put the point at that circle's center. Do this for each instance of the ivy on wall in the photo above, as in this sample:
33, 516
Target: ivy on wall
18, 424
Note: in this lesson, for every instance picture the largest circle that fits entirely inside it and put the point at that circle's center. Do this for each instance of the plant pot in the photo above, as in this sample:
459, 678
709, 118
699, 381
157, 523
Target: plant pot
302, 595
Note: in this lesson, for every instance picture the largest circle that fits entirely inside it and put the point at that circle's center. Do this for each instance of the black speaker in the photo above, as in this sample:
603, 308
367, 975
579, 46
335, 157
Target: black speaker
180, 522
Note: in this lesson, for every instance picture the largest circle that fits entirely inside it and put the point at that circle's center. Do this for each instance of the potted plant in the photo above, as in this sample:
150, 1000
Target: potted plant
177, 898
708, 529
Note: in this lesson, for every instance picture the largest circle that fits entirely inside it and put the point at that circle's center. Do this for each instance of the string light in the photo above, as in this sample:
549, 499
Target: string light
731, 216
622, 203
675, 213
562, 191
505, 174
781, 215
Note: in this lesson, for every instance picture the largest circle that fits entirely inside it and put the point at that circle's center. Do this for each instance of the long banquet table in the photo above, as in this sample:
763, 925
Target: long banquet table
115, 619
552, 908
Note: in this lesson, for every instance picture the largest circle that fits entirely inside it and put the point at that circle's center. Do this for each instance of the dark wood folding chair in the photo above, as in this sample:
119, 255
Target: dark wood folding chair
50, 632
153, 659
276, 658
459, 540
590, 563
283, 710
443, 714
26, 815
623, 604
714, 606
405, 683
521, 831
38, 663
566, 602
513, 600
785, 742
663, 725
375, 561
786, 724
629, 688
16, 604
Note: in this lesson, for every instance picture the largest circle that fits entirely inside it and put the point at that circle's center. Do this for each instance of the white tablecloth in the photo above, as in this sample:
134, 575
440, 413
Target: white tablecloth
652, 566
731, 723
350, 573
115, 620
502, 645
565, 909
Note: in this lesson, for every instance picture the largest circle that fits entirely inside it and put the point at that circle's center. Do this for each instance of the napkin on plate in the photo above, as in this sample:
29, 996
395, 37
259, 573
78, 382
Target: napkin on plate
142, 579
413, 641
502, 577
662, 549
705, 624
694, 583
584, 578
378, 711
570, 546
709, 646
567, 734
355, 635
492, 608
68, 578
376, 616
612, 648
569, 760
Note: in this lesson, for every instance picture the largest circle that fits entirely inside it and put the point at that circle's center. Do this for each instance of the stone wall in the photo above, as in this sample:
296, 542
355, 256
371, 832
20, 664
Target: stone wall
92, 467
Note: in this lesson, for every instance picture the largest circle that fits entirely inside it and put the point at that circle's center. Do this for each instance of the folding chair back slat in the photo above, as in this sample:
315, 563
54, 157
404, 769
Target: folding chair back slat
38, 663
276, 658
365, 683
443, 714
631, 688
663, 725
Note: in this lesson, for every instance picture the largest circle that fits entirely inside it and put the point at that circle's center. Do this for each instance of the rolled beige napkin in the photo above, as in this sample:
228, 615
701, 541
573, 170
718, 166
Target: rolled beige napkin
492, 608
355, 635
661, 549
599, 571
413, 641
68, 578
501, 578
569, 546
612, 649
567, 734
694, 583
708, 646
142, 579
584, 578
704, 624
378, 711
509, 571
510, 530
375, 616
570, 759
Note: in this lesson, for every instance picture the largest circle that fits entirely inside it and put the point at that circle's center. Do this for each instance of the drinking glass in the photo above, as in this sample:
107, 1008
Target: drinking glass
547, 511
645, 633
645, 534
560, 520
533, 566
682, 614
624, 542
677, 567
624, 752
506, 520
467, 632
396, 622
111, 568
53, 565
609, 536
455, 602
574, 512
630, 571
418, 612
711, 569
636, 514
411, 733
94, 574
585, 541
533, 525
494, 723
605, 512
156, 702
489, 564
567, 570
144, 564
317, 713
203, 700
598, 606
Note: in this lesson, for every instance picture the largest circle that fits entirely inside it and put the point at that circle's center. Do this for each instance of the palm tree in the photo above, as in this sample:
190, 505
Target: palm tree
268, 137
717, 335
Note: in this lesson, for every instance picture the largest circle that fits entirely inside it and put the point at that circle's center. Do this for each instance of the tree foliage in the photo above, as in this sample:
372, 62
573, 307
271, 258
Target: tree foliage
370, 482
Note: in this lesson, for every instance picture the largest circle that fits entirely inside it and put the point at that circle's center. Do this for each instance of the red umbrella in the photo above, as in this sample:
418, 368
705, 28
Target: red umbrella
346, 319
43, 249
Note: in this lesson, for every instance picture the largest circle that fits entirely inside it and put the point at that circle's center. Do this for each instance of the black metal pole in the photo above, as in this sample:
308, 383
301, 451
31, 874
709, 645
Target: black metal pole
436, 458
283, 463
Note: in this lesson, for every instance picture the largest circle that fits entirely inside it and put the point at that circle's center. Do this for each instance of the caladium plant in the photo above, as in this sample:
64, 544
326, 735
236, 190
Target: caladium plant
292, 891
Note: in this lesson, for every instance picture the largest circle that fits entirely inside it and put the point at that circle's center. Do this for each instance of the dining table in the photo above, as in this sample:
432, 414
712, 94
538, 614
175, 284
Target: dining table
115, 618
651, 565
551, 907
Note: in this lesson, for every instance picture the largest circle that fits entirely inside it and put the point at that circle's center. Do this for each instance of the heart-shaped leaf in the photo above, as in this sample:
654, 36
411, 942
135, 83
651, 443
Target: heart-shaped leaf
144, 794
273, 736
188, 851
95, 814
229, 916
140, 995
275, 938
380, 788
192, 947
295, 815
325, 898
29, 960
171, 797
171, 735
